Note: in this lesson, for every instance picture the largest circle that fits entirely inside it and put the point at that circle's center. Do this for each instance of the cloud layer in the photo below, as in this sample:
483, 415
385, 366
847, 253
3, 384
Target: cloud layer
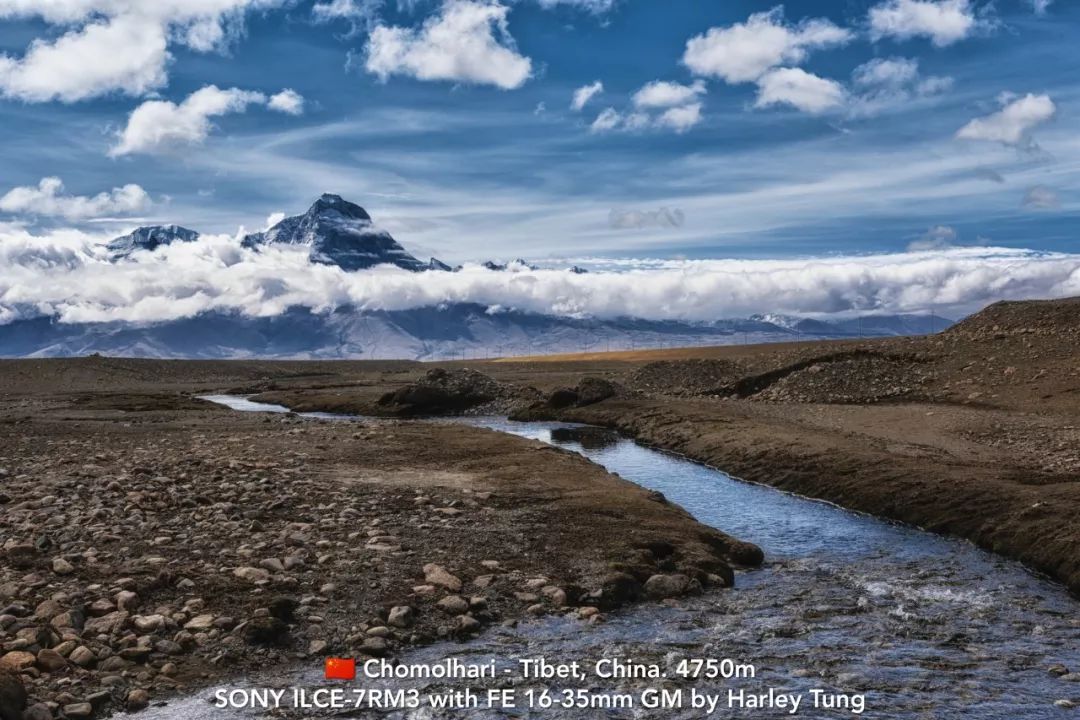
64, 275
49, 200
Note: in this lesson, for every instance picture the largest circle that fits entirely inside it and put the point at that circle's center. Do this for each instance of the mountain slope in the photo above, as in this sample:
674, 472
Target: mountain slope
148, 238
339, 233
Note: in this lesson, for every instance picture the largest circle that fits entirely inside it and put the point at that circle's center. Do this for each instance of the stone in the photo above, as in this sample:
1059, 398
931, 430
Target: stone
380, 631
137, 700
40, 711
317, 647
48, 610
106, 624
83, 656
252, 574
60, 566
272, 564
265, 631
51, 661
200, 623
127, 600
12, 695
17, 661
146, 624
659, 587
467, 624
375, 646
77, 711
453, 604
438, 575
401, 616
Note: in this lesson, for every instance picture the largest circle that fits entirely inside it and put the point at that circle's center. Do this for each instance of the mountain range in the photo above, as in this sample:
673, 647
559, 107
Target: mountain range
341, 233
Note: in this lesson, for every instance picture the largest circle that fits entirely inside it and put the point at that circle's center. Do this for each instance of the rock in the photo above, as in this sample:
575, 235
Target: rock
51, 661
252, 574
272, 564
438, 575
453, 605
106, 624
146, 624
48, 610
17, 661
39, 711
60, 566
12, 695
75, 619
466, 624
127, 600
200, 623
538, 609
401, 616
380, 631
283, 608
137, 699
22, 557
317, 647
83, 656
659, 587
78, 711
375, 646
265, 631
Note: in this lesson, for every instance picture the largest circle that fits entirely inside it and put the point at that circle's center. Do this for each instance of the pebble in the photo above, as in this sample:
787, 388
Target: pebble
438, 575
78, 710
453, 604
61, 566
401, 616
137, 699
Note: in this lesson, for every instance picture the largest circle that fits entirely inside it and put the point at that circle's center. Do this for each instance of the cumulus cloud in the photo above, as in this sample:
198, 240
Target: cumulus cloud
744, 52
48, 199
1041, 197
1040, 6
661, 94
584, 94
608, 119
1012, 125
467, 41
944, 22
63, 275
801, 90
287, 101
112, 46
160, 125
678, 119
642, 219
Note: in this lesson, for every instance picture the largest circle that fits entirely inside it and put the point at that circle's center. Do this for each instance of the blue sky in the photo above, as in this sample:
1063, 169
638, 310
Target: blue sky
847, 126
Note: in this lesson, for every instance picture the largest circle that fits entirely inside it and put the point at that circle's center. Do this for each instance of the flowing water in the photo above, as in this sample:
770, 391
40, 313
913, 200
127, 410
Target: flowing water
922, 626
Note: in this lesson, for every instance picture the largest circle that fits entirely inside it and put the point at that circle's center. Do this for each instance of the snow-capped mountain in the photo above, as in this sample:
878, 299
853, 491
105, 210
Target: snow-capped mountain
148, 238
339, 233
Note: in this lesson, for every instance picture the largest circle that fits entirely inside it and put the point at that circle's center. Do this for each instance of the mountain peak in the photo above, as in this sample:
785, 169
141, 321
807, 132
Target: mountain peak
329, 202
339, 233
148, 237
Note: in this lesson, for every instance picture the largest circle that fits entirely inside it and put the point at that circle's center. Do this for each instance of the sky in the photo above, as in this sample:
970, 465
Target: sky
702, 131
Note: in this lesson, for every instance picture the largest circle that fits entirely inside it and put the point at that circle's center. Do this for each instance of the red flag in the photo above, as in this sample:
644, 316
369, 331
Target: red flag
340, 669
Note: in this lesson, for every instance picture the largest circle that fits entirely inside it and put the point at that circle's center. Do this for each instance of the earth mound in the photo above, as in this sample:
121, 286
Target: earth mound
685, 378
1029, 317
449, 392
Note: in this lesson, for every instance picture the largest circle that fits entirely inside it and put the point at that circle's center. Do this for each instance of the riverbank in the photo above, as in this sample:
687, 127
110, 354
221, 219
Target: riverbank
155, 543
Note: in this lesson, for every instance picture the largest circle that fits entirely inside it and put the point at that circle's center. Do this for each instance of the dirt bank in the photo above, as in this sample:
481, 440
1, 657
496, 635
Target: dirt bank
153, 543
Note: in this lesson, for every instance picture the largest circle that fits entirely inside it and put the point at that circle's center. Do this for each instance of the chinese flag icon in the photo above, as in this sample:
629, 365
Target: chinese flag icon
340, 669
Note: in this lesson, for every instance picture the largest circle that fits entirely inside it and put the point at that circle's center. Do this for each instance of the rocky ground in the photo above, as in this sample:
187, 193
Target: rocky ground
153, 543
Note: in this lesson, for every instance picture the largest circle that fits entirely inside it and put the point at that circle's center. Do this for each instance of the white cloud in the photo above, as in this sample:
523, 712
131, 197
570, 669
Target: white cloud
1040, 6
287, 101
883, 83
345, 10
1041, 197
596, 6
584, 94
944, 22
680, 119
112, 46
801, 90
939, 237
1012, 125
609, 119
744, 52
48, 199
661, 94
468, 41
62, 275
160, 125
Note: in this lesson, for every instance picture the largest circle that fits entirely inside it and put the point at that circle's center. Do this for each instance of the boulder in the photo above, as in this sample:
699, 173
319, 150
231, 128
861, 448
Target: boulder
659, 587
438, 575
12, 695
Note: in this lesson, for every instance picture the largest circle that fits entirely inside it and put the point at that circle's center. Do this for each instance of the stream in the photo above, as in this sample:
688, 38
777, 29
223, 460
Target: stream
920, 625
